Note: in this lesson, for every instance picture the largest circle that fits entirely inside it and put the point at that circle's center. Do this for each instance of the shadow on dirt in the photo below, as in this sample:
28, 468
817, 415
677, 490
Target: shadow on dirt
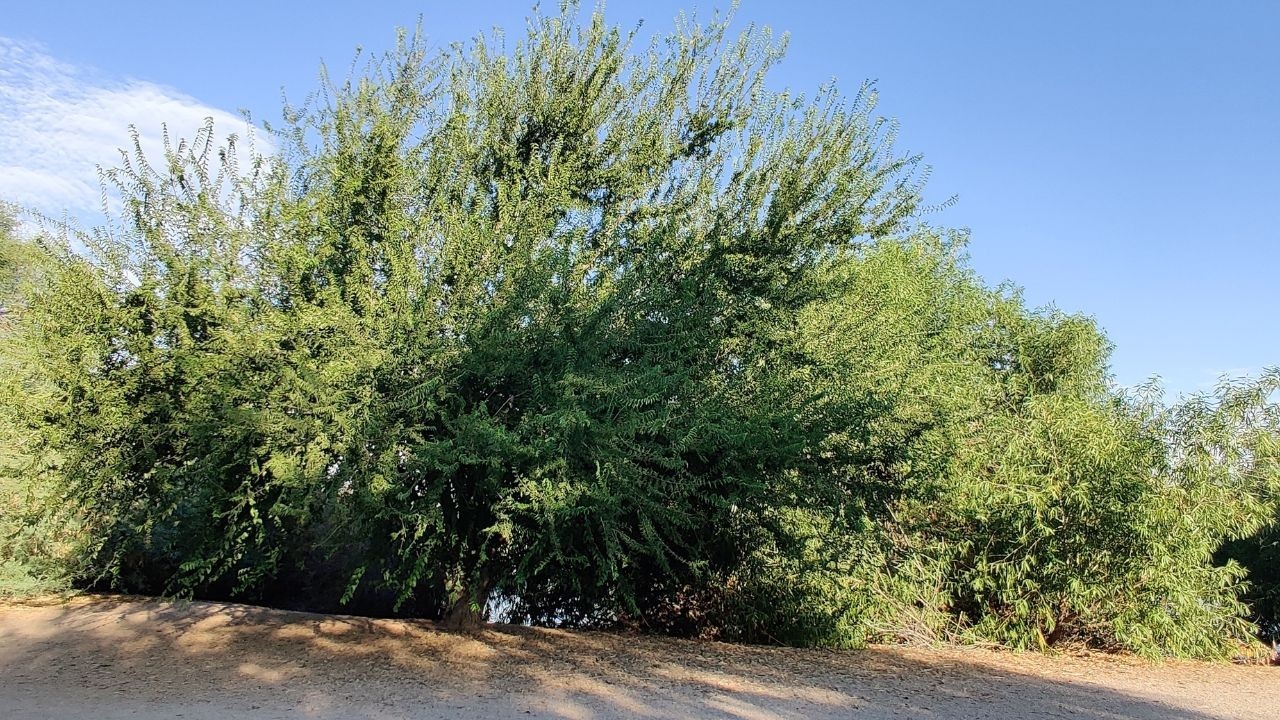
116, 657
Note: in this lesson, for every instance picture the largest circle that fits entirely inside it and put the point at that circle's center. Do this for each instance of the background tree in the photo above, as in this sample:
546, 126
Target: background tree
36, 537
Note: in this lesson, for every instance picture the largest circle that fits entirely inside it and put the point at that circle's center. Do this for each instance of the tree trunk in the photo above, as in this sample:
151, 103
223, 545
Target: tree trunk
467, 609
461, 615
1060, 627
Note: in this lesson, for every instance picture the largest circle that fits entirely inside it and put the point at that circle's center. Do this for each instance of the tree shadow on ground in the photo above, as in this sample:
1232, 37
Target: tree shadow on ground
117, 657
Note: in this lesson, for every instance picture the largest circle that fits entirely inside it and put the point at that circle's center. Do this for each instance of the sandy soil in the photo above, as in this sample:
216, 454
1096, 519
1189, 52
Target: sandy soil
111, 657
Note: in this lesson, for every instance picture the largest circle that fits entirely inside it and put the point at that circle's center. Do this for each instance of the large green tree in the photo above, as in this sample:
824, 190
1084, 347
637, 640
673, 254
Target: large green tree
496, 321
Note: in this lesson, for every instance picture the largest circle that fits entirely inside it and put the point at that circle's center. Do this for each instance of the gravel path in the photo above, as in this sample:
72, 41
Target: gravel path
111, 657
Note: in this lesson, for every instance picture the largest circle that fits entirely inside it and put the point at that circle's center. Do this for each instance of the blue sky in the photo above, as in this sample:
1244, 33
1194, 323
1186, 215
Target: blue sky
1118, 159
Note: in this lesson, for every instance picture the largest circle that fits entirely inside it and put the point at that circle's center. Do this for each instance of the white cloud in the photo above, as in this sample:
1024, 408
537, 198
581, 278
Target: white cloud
58, 122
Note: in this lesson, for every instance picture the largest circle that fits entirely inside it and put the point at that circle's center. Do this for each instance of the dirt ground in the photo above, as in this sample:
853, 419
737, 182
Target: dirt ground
112, 657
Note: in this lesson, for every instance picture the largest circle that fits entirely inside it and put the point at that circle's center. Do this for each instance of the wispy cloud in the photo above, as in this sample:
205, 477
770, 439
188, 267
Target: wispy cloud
58, 122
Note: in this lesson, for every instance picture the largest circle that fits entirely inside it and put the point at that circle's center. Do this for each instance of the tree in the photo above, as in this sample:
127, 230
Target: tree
36, 538
497, 329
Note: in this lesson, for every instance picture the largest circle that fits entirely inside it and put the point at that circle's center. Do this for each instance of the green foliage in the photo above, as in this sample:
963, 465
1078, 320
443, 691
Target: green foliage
617, 336
37, 538
1259, 554
1248, 439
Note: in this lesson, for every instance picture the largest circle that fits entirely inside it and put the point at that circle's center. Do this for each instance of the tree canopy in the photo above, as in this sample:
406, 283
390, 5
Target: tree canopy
610, 334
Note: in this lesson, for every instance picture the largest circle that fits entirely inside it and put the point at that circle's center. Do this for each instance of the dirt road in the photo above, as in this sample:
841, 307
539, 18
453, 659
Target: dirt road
102, 657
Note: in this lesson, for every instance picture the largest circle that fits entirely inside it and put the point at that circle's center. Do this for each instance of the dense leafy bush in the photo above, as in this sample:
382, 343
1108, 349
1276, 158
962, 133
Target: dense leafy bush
1259, 554
37, 535
617, 337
